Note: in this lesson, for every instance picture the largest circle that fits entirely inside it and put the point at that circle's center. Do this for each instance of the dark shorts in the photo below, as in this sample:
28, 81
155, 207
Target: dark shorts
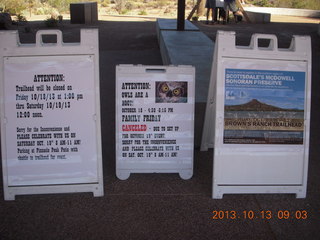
231, 5
210, 3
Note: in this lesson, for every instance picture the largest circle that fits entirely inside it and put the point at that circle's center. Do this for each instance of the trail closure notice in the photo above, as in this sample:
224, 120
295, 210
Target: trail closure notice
50, 118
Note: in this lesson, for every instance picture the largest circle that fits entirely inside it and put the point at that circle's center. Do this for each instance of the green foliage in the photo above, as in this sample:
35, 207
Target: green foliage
298, 4
104, 3
142, 12
13, 7
120, 6
129, 6
61, 5
46, 10
307, 4
52, 22
21, 18
262, 3
162, 3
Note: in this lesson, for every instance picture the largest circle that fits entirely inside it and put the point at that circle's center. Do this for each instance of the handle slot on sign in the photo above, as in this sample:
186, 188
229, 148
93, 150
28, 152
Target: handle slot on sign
156, 70
264, 42
49, 37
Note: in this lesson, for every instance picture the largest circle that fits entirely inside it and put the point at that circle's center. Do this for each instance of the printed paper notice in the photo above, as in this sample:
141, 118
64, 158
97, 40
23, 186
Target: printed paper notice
155, 118
50, 129
264, 107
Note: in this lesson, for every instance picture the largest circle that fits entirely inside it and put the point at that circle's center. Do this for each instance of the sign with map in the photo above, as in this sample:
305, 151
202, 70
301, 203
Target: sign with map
264, 107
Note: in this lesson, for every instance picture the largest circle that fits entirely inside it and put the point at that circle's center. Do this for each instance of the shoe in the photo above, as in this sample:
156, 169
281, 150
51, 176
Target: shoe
238, 18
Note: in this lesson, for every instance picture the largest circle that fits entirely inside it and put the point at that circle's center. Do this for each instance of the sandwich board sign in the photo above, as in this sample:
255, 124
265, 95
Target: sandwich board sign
50, 115
258, 116
154, 120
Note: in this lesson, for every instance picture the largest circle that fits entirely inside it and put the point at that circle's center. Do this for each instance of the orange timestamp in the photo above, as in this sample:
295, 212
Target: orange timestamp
262, 214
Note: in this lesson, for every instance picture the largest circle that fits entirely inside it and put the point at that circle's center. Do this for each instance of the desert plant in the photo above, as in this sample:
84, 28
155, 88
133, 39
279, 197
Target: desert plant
120, 5
129, 6
142, 12
308, 4
51, 22
104, 3
13, 7
21, 18
262, 3
167, 10
61, 5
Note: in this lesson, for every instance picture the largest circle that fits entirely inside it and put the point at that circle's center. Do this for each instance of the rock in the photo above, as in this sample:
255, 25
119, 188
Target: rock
5, 21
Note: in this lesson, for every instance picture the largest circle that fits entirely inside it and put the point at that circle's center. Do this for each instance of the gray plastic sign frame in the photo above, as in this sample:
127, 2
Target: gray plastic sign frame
50, 115
258, 116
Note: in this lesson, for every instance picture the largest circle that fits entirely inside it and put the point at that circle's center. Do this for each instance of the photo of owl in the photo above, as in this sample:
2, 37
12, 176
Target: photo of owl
171, 92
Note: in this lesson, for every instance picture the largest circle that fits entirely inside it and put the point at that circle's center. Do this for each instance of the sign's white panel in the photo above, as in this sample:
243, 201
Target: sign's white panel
258, 116
50, 115
50, 129
155, 116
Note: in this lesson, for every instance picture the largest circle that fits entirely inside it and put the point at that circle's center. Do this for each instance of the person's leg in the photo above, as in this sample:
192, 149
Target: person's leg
215, 14
226, 11
235, 10
208, 12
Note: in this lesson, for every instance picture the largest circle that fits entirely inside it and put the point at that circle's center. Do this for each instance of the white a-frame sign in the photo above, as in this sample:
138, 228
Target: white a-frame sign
154, 120
50, 115
258, 115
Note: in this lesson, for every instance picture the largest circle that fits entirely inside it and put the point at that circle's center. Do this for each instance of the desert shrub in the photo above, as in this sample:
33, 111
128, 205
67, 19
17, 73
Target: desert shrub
46, 10
307, 4
52, 22
298, 4
21, 18
61, 5
140, 5
104, 3
13, 7
120, 6
142, 12
124, 11
162, 3
129, 6
167, 10
262, 3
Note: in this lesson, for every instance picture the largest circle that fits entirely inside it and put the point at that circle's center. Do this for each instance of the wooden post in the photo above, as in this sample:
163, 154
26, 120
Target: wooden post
194, 9
243, 11
181, 13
